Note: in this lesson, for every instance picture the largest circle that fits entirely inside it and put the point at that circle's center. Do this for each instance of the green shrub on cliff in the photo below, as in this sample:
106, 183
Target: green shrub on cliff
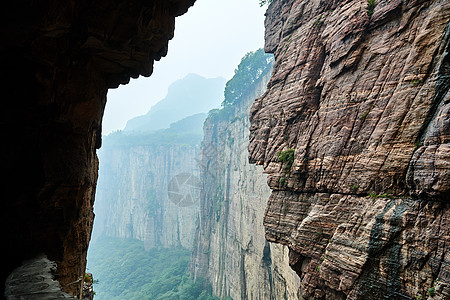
370, 7
250, 71
264, 2
287, 158
253, 66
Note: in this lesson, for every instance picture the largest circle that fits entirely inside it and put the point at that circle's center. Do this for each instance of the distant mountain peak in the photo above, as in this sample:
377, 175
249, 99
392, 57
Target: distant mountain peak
190, 95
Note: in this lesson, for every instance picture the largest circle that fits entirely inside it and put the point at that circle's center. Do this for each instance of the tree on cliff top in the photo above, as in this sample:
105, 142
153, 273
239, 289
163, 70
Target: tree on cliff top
251, 68
264, 2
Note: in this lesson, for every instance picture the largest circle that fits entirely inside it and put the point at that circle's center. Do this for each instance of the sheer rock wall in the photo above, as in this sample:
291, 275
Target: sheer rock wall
360, 92
58, 58
230, 250
133, 197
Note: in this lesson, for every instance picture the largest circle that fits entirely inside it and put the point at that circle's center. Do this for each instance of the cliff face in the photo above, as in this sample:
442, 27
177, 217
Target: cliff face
57, 61
133, 196
142, 191
230, 249
360, 96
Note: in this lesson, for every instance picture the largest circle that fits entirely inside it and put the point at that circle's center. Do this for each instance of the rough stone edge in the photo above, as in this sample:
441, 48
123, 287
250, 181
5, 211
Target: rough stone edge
34, 279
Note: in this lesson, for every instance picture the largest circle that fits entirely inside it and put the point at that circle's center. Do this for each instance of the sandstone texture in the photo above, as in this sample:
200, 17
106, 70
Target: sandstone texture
360, 95
134, 197
230, 250
58, 58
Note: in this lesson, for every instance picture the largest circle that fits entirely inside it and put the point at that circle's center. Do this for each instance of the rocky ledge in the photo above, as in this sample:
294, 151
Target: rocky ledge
354, 133
34, 280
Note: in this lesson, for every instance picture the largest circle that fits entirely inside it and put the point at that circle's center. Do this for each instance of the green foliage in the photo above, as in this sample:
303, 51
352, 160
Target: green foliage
250, 71
376, 196
253, 66
224, 113
125, 270
370, 7
417, 144
87, 278
264, 2
287, 158
431, 291
364, 115
415, 81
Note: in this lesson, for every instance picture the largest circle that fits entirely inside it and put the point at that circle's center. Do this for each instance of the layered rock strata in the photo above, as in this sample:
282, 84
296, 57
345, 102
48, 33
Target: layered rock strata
359, 97
58, 58
230, 250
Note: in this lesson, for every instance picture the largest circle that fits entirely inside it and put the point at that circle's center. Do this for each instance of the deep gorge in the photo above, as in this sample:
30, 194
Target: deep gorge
357, 104
222, 228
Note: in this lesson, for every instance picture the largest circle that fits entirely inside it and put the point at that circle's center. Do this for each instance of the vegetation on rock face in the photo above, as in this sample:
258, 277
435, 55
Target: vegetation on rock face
88, 290
370, 7
125, 270
287, 158
252, 68
264, 2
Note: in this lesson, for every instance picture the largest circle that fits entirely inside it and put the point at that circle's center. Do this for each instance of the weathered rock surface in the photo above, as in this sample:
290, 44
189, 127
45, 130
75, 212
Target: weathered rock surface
362, 95
230, 249
57, 61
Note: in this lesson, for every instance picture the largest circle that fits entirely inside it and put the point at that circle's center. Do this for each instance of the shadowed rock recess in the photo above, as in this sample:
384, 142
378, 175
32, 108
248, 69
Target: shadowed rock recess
58, 59
360, 96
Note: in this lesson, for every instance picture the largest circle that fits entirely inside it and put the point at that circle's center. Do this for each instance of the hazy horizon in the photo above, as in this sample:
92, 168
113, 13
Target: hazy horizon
205, 43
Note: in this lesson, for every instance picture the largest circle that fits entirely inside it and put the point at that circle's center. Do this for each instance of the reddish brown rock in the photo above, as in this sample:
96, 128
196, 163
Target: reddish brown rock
362, 96
58, 59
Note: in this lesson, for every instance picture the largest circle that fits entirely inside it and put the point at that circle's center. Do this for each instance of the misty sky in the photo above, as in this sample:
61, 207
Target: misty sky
210, 40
